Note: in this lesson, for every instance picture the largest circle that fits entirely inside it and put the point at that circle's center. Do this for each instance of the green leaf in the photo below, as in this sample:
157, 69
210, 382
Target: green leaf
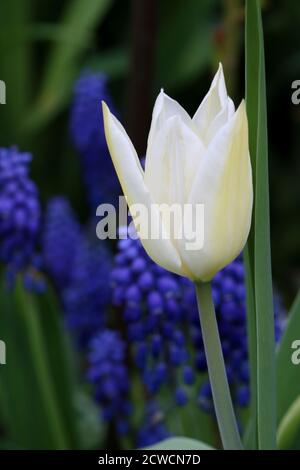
39, 361
288, 383
91, 429
78, 22
180, 443
289, 426
36, 392
258, 262
251, 435
60, 360
21, 406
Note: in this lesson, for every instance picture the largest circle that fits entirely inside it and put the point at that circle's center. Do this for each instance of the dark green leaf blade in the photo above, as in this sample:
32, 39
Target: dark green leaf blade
36, 389
259, 256
288, 383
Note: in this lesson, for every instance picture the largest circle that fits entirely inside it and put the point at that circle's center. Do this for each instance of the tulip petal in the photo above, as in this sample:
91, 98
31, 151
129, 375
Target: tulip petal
160, 162
215, 110
164, 108
172, 161
131, 177
224, 185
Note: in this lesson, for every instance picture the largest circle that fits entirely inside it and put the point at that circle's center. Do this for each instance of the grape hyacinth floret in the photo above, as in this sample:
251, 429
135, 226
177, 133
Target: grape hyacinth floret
153, 429
108, 374
87, 132
19, 211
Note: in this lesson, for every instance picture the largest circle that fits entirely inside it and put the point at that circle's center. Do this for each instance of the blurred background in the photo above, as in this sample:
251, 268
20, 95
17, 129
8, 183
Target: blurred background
86, 366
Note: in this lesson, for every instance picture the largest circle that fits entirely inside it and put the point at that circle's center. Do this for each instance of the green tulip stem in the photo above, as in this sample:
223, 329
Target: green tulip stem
216, 369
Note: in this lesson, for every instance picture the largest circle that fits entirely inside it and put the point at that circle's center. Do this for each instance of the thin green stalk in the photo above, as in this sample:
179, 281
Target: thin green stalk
216, 368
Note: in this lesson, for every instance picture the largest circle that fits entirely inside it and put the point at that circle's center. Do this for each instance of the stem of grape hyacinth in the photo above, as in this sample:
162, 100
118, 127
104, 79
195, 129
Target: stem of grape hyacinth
216, 368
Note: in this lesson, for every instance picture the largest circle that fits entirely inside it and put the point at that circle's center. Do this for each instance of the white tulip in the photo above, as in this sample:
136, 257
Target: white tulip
200, 160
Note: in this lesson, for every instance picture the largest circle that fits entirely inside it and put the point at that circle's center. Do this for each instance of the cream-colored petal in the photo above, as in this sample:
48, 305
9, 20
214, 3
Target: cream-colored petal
157, 166
191, 148
221, 119
165, 108
215, 110
155, 113
224, 185
172, 161
131, 178
163, 134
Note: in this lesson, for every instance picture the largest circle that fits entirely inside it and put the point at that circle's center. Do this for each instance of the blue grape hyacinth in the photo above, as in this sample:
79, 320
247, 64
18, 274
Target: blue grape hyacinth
20, 212
79, 268
108, 373
87, 132
161, 315
87, 296
60, 241
150, 301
